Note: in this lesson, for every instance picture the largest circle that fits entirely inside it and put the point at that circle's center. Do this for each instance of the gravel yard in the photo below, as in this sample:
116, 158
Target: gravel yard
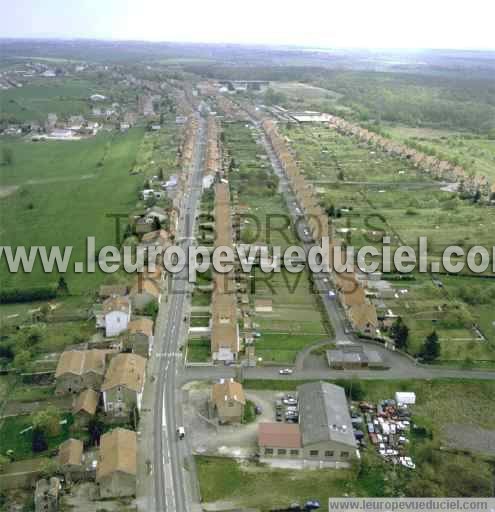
210, 438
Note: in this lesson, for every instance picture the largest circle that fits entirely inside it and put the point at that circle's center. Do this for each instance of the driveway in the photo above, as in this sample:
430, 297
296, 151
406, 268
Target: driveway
208, 437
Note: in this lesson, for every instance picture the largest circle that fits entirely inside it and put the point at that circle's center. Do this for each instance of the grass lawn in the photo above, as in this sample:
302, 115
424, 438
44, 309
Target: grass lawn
200, 321
12, 439
255, 485
283, 347
201, 297
31, 393
295, 321
198, 350
65, 192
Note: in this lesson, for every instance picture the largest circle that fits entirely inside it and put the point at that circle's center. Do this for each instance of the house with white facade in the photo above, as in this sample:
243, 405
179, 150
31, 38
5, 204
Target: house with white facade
114, 316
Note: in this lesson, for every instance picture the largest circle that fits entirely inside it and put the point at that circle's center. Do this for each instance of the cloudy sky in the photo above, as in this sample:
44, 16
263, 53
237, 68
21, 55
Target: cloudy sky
457, 24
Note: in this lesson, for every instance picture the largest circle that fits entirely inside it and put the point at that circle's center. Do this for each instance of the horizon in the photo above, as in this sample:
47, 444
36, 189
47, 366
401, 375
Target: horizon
286, 46
380, 26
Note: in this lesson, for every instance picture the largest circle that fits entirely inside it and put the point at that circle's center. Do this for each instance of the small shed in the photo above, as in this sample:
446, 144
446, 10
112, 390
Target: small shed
405, 398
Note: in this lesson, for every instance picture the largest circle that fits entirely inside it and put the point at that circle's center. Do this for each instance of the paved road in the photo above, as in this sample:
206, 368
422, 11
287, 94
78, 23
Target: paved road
271, 373
169, 453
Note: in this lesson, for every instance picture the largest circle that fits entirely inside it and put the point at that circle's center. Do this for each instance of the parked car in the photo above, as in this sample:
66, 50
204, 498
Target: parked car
289, 400
286, 371
258, 410
291, 408
181, 433
312, 505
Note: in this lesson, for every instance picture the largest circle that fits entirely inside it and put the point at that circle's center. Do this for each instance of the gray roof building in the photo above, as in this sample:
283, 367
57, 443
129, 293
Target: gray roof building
324, 414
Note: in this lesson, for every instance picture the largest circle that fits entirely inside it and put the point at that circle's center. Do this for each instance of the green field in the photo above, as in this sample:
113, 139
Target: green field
254, 485
295, 321
65, 190
34, 101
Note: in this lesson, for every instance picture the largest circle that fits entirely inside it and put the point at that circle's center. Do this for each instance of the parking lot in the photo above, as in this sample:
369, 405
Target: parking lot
208, 437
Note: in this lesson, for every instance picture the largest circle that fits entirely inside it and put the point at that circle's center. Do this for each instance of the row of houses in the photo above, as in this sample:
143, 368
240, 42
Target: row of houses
351, 291
224, 325
357, 304
437, 168
213, 153
305, 192
103, 378
113, 465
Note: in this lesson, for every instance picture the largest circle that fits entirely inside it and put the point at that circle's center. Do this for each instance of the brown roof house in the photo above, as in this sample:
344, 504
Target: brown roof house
80, 369
116, 470
124, 383
229, 401
70, 458
114, 315
84, 406
140, 337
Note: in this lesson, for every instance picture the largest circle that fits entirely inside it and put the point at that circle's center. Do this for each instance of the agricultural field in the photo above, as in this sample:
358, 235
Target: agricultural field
372, 195
35, 100
475, 153
61, 193
295, 321
440, 403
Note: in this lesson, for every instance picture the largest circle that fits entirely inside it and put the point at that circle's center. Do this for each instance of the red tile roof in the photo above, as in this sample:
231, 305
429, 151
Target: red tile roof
279, 435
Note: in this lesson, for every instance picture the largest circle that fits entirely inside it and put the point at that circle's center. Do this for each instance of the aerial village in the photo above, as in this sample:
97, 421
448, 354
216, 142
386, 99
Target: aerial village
106, 382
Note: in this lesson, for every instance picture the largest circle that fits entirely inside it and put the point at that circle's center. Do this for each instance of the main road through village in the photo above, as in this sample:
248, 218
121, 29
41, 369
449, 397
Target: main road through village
169, 453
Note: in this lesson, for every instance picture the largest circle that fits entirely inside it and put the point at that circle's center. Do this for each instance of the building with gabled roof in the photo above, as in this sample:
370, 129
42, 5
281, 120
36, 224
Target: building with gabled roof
80, 369
229, 400
140, 337
123, 386
70, 458
324, 436
114, 315
117, 467
84, 406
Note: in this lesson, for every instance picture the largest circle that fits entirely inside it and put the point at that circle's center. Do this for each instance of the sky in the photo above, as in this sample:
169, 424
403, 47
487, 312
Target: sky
453, 24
